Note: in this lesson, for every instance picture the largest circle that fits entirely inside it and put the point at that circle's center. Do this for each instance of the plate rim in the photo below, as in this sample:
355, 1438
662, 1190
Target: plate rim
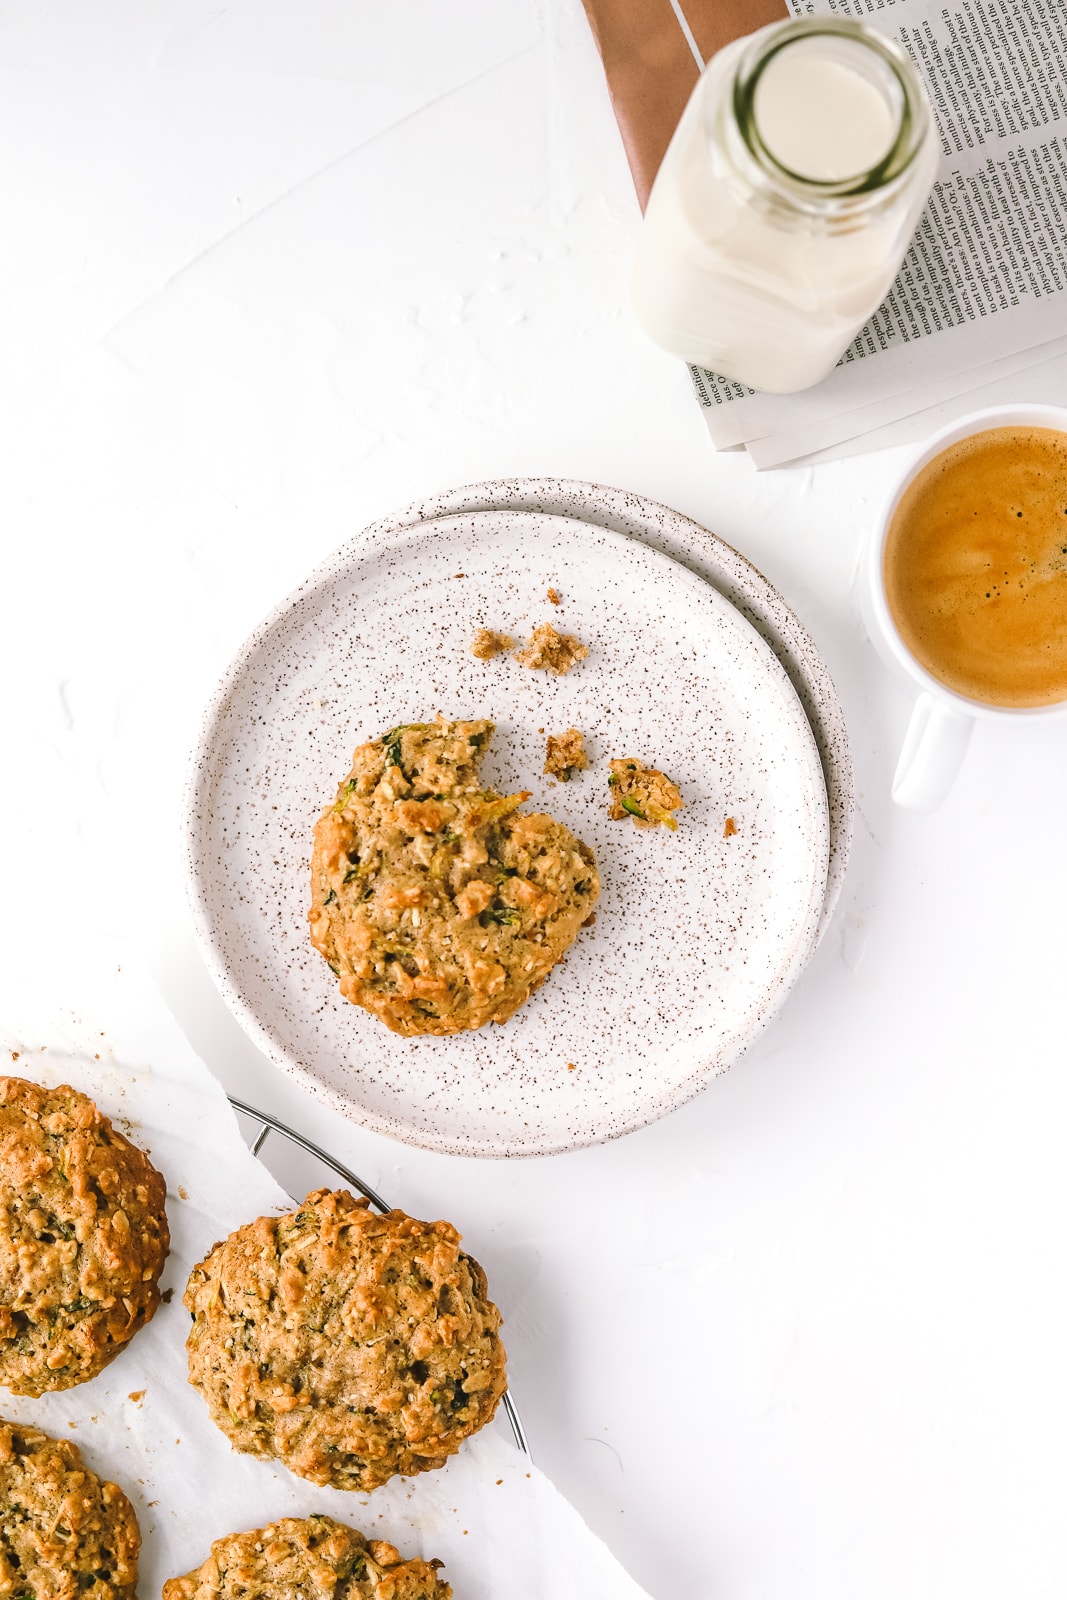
358, 548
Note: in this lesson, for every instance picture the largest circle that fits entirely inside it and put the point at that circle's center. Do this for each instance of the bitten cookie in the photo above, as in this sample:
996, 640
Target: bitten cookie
307, 1557
83, 1238
64, 1534
439, 904
347, 1345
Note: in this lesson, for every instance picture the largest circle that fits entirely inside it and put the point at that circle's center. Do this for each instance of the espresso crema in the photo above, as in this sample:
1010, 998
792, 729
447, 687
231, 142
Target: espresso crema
975, 567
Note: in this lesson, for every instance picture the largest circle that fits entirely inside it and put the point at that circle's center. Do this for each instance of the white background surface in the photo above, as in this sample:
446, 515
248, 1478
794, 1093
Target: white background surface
272, 270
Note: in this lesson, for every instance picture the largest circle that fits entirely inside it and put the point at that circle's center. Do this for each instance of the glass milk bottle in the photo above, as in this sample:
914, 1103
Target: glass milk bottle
785, 202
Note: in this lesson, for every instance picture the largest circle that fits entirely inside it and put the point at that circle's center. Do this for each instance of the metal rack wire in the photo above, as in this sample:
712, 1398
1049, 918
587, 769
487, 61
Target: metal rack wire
269, 1125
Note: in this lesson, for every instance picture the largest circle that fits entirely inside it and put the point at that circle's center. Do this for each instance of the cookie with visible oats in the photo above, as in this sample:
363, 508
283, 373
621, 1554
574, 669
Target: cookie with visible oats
348, 1346
439, 904
565, 754
83, 1238
308, 1556
63, 1531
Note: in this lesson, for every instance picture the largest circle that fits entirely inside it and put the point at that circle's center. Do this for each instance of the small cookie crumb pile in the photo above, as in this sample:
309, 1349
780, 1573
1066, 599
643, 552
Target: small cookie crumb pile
63, 1531
564, 754
440, 905
487, 644
308, 1556
554, 597
644, 794
551, 651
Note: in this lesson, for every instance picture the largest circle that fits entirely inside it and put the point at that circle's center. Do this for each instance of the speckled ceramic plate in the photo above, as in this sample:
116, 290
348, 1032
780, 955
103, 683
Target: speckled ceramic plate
719, 564
697, 938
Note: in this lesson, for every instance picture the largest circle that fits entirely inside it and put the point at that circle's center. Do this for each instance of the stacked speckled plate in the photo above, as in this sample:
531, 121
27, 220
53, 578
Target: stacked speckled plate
697, 665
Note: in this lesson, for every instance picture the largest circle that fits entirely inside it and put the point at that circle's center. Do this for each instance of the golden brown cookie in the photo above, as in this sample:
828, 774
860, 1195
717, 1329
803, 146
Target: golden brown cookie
307, 1557
64, 1534
83, 1238
347, 1345
438, 903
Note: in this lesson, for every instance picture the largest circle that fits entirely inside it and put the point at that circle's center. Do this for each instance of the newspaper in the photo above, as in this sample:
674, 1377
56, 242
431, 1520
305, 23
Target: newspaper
982, 293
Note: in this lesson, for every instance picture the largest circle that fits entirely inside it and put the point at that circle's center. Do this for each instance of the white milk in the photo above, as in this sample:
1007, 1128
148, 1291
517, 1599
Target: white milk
820, 118
767, 244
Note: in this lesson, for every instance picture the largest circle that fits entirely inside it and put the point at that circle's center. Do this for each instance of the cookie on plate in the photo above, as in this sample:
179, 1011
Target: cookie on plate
439, 904
307, 1556
347, 1345
83, 1238
63, 1532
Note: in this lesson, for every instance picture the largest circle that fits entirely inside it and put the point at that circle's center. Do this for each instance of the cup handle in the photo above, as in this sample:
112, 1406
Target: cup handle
934, 747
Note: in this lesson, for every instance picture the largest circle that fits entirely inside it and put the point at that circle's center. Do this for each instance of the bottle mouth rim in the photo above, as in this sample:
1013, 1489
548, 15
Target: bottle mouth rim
911, 127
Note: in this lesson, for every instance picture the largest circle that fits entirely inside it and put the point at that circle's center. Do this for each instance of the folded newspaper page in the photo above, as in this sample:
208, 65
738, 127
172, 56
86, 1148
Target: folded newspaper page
983, 288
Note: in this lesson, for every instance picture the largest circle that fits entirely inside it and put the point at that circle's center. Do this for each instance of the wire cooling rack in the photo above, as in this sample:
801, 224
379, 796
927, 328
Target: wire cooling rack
266, 1125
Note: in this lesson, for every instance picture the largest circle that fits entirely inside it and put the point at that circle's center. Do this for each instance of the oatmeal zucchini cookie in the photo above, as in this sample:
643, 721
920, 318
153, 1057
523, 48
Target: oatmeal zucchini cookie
64, 1534
83, 1238
347, 1345
308, 1556
438, 903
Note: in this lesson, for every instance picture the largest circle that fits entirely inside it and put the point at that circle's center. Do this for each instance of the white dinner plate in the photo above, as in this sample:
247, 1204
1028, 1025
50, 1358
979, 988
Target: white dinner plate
719, 564
698, 937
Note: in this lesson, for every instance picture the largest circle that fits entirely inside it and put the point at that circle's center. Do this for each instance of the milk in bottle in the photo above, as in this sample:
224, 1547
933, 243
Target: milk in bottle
785, 202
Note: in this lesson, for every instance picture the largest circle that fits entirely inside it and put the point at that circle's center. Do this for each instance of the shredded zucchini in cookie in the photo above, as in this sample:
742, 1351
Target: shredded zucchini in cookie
441, 905
644, 794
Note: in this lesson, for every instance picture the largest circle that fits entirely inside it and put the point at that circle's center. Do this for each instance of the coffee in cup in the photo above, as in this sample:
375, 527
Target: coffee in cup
974, 567
964, 586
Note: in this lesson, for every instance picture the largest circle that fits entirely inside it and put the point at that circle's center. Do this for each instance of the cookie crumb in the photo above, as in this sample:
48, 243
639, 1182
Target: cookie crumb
553, 595
730, 829
551, 651
167, 1296
571, 1067
565, 754
183, 1194
488, 644
643, 793
137, 1395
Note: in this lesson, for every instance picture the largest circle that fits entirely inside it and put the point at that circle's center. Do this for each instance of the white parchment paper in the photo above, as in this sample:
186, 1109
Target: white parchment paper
497, 1523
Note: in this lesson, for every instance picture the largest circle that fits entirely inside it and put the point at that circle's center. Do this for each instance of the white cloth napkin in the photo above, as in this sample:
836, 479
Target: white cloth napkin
498, 1524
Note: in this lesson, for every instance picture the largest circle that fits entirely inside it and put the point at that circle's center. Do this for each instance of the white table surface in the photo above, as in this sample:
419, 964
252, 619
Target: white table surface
270, 271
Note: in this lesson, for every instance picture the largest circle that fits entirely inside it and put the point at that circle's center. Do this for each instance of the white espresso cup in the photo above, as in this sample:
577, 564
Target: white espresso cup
942, 721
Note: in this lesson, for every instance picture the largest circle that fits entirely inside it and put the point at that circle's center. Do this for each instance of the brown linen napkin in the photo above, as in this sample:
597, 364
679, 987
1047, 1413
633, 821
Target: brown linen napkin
651, 65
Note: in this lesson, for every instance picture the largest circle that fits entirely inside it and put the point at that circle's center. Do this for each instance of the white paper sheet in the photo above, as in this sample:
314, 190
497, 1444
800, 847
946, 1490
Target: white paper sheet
867, 422
490, 1515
